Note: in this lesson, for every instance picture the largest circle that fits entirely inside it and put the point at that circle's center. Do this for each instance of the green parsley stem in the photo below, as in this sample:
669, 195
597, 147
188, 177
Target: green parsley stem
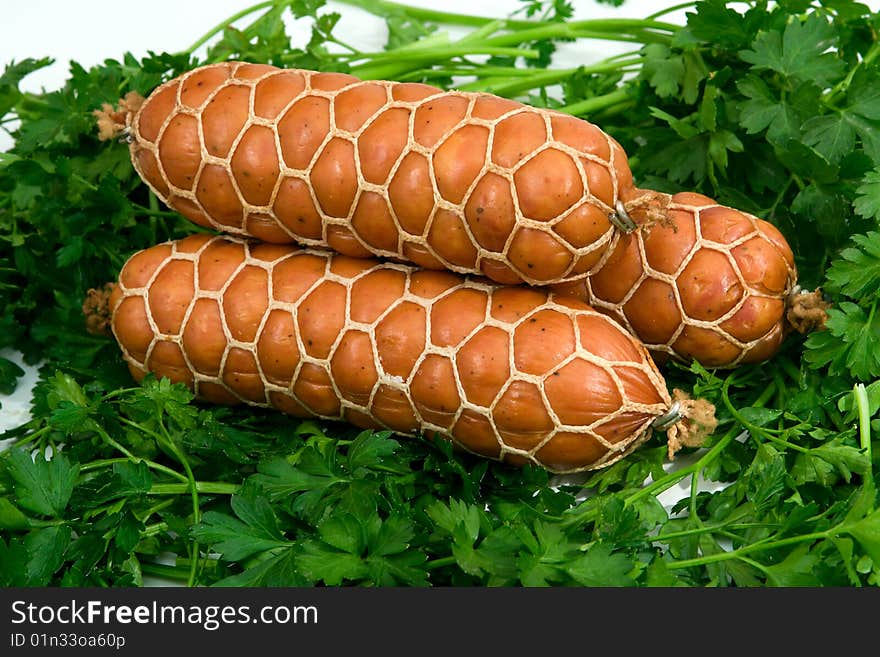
710, 529
604, 29
179, 573
180, 455
31, 437
482, 32
226, 23
163, 571
206, 487
757, 565
443, 52
146, 513
747, 549
841, 87
596, 103
440, 562
870, 321
863, 405
118, 393
669, 10
463, 69
31, 101
771, 211
83, 181
669, 480
766, 394
136, 459
392, 68
544, 78
154, 213
384, 8
433, 40
610, 25
155, 528
754, 429
104, 463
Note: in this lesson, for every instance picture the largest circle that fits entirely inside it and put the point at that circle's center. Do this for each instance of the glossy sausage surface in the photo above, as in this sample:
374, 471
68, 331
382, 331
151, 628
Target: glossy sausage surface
507, 372
466, 182
708, 283
469, 182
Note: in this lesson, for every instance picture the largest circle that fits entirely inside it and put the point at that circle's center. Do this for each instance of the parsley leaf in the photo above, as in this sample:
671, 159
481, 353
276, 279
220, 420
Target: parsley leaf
857, 268
715, 22
253, 529
46, 549
352, 548
601, 566
851, 342
799, 52
867, 201
42, 485
867, 532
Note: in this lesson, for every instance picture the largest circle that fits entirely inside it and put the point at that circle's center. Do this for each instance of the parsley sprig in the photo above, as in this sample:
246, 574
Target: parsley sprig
773, 109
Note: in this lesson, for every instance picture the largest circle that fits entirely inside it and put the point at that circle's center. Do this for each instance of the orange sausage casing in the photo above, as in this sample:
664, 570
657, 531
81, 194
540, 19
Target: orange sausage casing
507, 372
469, 182
707, 282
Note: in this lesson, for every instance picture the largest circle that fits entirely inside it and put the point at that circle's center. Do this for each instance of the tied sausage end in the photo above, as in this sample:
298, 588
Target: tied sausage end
96, 309
688, 423
114, 122
806, 311
648, 208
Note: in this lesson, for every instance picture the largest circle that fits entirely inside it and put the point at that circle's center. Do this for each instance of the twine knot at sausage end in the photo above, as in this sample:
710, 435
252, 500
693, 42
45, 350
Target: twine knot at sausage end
649, 208
96, 309
115, 122
697, 422
806, 311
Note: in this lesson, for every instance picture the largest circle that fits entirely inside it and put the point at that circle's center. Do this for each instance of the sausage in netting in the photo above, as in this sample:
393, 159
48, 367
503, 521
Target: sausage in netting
469, 182
511, 373
703, 282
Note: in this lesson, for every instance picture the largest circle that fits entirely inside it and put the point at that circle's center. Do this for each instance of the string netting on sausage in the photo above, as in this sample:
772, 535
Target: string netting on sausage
724, 325
427, 247
507, 446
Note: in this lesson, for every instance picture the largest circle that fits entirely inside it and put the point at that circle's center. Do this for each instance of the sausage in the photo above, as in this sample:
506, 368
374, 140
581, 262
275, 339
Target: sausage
511, 373
699, 281
468, 182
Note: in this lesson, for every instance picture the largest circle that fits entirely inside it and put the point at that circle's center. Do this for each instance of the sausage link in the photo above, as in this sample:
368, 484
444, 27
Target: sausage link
703, 282
511, 373
469, 182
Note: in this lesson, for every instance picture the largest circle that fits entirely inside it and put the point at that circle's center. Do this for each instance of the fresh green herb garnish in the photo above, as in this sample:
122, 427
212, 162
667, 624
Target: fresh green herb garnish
772, 109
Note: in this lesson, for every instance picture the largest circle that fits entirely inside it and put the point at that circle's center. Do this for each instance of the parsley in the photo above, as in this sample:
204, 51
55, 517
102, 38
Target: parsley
773, 109
798, 52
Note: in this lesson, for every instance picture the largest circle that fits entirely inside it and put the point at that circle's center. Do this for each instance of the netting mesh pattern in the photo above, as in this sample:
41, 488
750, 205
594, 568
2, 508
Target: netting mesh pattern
507, 372
710, 283
468, 182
